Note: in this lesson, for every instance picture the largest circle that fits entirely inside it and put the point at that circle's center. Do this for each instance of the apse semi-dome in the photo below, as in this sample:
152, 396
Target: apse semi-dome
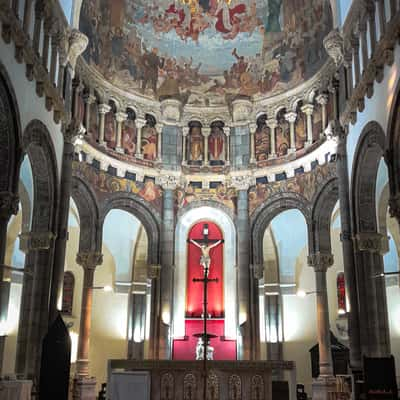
206, 52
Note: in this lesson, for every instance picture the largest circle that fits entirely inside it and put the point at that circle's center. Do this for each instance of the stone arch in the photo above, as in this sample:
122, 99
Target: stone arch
368, 154
10, 136
206, 203
88, 210
321, 217
136, 206
267, 211
192, 215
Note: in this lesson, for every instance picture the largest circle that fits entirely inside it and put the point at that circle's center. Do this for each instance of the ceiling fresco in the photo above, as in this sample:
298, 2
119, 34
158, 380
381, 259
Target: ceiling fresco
206, 52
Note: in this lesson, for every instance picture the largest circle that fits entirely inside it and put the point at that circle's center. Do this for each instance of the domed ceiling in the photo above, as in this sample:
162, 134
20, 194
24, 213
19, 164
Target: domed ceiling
206, 52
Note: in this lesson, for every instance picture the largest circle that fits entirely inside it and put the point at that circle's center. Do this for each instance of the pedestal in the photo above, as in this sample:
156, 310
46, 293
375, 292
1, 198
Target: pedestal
322, 386
84, 388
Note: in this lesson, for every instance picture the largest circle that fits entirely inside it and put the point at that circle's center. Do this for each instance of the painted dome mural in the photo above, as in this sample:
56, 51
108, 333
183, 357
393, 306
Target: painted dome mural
206, 52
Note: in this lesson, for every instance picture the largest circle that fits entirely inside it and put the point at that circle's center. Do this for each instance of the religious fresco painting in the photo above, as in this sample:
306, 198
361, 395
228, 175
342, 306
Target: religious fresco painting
306, 184
216, 145
94, 121
149, 139
206, 51
129, 134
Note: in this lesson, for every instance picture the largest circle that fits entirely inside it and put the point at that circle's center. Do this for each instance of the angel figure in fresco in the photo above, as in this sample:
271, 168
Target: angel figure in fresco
205, 259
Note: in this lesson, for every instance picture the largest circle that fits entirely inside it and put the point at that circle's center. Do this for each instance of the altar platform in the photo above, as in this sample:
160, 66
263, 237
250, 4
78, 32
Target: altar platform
184, 380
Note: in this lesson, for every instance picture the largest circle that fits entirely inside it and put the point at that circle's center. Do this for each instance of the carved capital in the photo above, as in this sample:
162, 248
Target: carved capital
185, 131
320, 261
227, 130
333, 44
370, 241
291, 117
272, 123
322, 99
32, 241
242, 182
394, 207
153, 271
8, 205
258, 271
206, 132
90, 259
73, 131
241, 111
121, 117
307, 109
167, 182
77, 45
104, 108
171, 110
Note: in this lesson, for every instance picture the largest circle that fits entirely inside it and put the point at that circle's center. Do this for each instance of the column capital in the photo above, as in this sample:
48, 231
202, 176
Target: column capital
90, 259
242, 182
121, 117
159, 128
272, 123
185, 131
153, 271
320, 261
32, 241
140, 123
291, 117
308, 109
73, 131
258, 271
206, 132
394, 206
252, 127
104, 108
227, 130
89, 98
322, 99
167, 182
373, 242
77, 45
9, 203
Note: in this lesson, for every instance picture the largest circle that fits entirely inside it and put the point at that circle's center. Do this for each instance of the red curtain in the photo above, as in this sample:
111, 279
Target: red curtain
194, 291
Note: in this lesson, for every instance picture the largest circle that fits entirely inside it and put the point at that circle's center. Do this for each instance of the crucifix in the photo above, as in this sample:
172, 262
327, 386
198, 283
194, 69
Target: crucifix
205, 245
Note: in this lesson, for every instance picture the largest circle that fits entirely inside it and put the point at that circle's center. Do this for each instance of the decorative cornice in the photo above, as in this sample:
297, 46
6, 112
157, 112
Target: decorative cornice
168, 182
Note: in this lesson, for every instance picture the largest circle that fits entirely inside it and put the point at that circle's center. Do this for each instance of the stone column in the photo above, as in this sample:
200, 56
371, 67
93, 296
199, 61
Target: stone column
393, 8
394, 207
382, 16
89, 99
348, 64
27, 16
370, 8
70, 135
272, 125
206, 134
48, 25
153, 274
227, 131
103, 110
8, 206
346, 238
121, 118
252, 129
362, 26
140, 123
55, 43
374, 324
308, 110
185, 134
326, 382
242, 184
355, 44
159, 129
84, 386
291, 117
169, 184
39, 13
322, 100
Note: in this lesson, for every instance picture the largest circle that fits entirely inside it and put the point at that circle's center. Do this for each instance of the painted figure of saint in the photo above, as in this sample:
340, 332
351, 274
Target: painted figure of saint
196, 144
149, 142
216, 143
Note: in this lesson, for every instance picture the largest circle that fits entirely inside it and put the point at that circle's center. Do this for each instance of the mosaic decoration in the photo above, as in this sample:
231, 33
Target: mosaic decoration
221, 194
305, 184
104, 182
206, 51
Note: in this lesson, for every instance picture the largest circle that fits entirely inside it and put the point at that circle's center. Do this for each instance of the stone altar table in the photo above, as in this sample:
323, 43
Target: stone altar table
183, 380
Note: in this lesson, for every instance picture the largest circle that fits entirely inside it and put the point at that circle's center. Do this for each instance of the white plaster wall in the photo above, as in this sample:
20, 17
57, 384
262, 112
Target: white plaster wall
376, 109
29, 104
185, 223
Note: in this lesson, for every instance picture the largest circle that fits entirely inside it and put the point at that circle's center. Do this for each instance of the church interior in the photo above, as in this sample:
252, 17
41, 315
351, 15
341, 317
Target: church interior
199, 199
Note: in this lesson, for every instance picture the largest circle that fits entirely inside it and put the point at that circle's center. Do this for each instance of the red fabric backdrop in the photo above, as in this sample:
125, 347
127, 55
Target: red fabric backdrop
194, 291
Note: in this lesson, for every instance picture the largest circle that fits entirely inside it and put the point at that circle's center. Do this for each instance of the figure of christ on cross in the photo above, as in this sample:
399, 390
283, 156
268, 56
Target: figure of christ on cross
205, 259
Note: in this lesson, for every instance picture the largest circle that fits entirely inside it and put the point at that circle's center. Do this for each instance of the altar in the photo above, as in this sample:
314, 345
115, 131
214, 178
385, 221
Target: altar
184, 380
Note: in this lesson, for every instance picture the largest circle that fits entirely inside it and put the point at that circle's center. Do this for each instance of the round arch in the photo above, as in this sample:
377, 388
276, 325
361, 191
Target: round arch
267, 211
136, 206
185, 222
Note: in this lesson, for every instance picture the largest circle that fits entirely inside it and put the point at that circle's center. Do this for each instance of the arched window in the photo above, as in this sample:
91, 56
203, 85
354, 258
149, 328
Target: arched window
68, 293
341, 293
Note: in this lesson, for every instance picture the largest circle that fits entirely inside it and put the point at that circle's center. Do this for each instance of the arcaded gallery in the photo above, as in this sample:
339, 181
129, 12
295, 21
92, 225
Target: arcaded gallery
199, 199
